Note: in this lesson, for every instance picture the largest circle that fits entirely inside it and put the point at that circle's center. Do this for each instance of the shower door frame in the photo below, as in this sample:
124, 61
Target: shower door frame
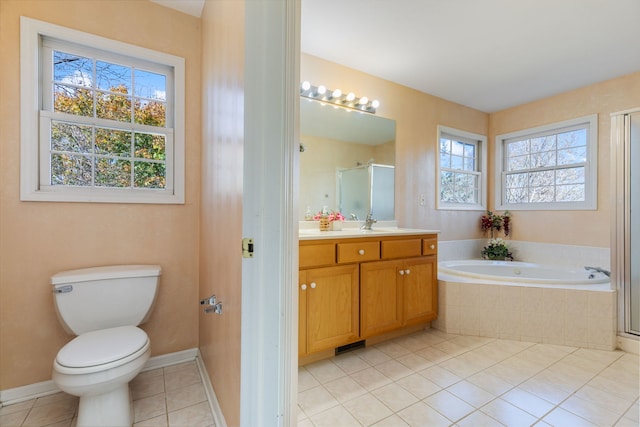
621, 218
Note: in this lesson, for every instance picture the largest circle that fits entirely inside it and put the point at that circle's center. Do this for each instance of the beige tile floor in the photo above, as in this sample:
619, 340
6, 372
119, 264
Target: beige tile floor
435, 379
424, 379
165, 397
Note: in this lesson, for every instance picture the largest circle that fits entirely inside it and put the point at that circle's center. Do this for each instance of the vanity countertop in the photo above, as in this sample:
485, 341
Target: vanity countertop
315, 233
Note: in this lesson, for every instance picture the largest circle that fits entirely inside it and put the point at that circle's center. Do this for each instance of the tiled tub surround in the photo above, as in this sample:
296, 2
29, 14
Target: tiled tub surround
554, 315
577, 318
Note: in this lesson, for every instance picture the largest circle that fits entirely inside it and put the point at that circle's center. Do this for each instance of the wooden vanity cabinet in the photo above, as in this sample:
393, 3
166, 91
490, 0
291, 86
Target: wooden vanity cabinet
381, 297
328, 304
420, 287
352, 289
399, 292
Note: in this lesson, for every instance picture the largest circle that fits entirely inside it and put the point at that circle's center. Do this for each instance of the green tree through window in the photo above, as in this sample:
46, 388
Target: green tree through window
113, 143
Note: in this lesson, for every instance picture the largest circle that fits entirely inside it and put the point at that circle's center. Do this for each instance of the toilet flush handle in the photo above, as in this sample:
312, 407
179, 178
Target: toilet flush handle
63, 289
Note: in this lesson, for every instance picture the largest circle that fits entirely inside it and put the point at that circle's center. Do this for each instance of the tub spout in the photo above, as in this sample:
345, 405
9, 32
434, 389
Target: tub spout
599, 270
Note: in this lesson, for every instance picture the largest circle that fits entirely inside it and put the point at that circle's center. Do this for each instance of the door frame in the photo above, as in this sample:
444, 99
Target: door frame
269, 375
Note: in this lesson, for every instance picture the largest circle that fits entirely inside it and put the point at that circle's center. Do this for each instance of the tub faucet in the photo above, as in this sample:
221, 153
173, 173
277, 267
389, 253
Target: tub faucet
368, 222
599, 270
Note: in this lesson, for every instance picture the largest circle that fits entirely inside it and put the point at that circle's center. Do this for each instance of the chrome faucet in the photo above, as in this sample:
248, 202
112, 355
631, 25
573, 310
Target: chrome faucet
368, 222
354, 217
599, 270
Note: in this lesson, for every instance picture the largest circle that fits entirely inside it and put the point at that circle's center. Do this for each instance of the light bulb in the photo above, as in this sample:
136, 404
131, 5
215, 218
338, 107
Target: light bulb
351, 96
336, 93
375, 103
363, 100
322, 90
306, 85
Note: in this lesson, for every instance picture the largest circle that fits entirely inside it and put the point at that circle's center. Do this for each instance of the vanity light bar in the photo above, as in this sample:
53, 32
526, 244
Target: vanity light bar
336, 97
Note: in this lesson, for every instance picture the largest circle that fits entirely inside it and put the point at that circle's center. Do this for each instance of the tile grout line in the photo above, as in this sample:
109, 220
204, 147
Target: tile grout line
546, 365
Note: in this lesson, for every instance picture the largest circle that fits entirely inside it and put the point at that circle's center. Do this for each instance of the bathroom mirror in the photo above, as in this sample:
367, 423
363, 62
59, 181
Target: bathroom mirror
334, 139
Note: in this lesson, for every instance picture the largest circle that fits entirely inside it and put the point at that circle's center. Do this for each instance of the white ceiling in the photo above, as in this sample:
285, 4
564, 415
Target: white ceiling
486, 54
191, 7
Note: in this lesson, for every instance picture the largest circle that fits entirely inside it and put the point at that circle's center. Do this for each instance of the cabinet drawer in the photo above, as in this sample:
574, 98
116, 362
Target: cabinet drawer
317, 255
401, 248
429, 246
358, 251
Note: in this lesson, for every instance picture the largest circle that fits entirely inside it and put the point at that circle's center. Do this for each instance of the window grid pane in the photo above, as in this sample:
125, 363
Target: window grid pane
459, 176
90, 155
547, 168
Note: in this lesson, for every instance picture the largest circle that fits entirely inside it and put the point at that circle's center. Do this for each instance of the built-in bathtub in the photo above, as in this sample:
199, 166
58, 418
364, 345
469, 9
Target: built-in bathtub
527, 302
524, 273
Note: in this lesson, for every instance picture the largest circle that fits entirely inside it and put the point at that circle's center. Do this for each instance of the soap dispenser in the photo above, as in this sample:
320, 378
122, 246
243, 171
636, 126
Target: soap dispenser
309, 215
325, 224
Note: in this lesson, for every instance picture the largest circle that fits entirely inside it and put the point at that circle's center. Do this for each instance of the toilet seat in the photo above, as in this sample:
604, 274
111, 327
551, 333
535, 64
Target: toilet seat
101, 350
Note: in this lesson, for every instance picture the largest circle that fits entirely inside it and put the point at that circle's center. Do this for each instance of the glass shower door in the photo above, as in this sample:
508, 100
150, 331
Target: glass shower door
632, 255
625, 237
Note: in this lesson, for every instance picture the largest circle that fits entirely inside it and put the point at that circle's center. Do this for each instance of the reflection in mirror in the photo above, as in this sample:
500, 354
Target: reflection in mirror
365, 189
335, 139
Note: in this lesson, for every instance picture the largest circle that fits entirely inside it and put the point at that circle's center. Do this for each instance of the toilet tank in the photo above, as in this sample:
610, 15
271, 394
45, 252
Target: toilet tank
95, 298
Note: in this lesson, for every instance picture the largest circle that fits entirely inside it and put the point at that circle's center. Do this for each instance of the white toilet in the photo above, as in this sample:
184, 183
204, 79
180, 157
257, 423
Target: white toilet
103, 306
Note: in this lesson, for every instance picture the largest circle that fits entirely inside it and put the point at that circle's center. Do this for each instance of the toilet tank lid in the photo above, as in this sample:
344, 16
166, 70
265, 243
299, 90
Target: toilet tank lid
106, 272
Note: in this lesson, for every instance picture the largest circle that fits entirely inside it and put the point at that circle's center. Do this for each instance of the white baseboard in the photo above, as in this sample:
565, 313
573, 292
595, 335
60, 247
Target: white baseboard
27, 392
218, 416
171, 359
45, 388
629, 345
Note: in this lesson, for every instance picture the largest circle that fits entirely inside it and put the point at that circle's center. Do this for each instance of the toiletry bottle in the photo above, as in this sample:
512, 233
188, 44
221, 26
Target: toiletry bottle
309, 215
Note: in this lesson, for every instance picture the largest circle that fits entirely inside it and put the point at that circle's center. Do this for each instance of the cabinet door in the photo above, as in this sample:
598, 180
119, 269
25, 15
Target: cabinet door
302, 313
380, 297
332, 307
420, 290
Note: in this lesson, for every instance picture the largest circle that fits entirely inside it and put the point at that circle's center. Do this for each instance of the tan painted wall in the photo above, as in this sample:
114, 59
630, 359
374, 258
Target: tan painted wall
38, 239
221, 197
589, 228
417, 116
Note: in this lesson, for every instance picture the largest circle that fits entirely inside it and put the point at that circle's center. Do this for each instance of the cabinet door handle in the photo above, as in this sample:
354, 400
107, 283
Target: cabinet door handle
407, 271
303, 287
432, 246
361, 251
401, 272
313, 285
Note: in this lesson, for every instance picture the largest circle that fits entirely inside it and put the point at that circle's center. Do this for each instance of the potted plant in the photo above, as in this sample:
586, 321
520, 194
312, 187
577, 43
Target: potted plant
492, 224
497, 249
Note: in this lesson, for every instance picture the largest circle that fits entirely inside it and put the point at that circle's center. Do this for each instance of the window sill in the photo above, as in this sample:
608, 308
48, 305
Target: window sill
106, 196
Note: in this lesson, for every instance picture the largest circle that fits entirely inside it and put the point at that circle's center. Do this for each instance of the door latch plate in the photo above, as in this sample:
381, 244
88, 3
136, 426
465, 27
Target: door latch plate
247, 247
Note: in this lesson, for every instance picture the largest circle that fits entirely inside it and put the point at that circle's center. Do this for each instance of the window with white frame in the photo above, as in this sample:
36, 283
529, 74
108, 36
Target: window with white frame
552, 167
103, 121
461, 166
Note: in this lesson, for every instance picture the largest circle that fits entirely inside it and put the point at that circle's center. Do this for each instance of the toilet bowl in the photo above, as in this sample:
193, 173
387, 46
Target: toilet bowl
97, 367
98, 364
